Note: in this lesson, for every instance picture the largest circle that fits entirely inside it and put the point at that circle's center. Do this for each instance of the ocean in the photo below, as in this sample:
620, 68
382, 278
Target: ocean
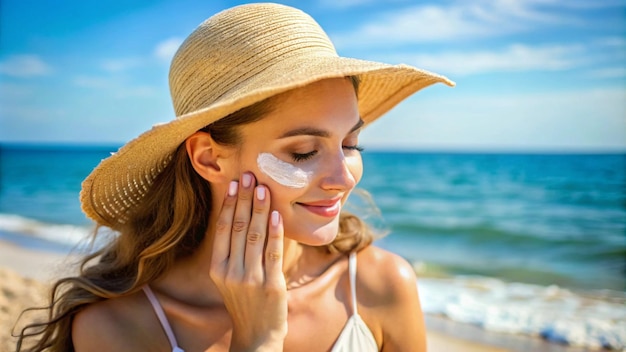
531, 244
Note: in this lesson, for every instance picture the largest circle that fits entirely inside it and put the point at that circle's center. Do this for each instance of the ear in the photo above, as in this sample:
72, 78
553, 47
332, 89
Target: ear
207, 157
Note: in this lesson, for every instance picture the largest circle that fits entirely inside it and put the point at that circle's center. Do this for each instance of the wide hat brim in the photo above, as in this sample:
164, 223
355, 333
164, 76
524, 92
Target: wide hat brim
121, 181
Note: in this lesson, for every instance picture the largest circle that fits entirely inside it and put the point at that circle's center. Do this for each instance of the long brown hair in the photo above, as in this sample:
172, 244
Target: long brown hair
169, 224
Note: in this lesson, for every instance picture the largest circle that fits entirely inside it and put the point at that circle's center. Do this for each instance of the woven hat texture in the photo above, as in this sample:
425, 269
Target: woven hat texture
234, 59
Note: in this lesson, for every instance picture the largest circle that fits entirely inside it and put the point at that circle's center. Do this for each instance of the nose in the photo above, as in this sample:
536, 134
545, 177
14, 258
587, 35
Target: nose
337, 173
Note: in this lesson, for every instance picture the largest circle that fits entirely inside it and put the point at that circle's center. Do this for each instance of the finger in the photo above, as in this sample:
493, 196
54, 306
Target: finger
257, 232
274, 252
241, 221
221, 240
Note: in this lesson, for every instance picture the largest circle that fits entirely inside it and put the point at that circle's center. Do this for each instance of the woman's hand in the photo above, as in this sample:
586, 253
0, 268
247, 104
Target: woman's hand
246, 266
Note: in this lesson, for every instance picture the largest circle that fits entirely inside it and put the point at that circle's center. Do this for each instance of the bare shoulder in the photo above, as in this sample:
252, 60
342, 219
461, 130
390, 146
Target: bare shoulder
385, 275
388, 300
117, 324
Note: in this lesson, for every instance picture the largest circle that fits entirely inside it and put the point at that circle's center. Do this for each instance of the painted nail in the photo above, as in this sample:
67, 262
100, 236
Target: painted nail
260, 193
232, 188
246, 180
275, 218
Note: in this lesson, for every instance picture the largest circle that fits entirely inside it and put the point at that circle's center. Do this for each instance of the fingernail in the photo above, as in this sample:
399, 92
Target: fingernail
246, 180
232, 188
274, 217
260, 193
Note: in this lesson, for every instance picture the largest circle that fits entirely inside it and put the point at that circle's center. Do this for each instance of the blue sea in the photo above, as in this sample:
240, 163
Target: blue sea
527, 244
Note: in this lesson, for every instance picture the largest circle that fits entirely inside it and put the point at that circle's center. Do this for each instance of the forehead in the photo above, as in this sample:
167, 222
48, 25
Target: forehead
328, 101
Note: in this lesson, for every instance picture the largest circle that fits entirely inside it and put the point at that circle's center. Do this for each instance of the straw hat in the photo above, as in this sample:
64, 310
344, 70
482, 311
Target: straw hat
232, 60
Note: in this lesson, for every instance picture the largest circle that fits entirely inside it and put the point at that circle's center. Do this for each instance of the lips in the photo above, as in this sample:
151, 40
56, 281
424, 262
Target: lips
325, 208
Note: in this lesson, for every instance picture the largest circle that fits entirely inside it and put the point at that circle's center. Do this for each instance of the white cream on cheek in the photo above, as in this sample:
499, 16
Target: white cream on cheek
282, 172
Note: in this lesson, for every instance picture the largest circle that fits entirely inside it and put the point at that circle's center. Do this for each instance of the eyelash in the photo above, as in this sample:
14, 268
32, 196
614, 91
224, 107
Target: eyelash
306, 156
358, 148
302, 157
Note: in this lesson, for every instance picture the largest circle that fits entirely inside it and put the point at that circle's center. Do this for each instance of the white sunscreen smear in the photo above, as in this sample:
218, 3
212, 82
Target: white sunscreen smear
282, 172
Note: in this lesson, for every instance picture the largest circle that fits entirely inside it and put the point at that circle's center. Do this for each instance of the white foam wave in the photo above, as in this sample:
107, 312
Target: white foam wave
554, 313
69, 235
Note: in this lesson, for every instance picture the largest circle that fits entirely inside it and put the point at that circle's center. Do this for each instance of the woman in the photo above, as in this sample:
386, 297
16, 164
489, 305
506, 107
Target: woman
231, 235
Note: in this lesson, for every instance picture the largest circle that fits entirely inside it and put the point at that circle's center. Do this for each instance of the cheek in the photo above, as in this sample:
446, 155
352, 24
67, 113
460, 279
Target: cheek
355, 167
282, 172
281, 196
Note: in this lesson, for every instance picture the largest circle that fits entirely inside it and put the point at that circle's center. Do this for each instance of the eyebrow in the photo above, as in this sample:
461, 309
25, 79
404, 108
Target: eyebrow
311, 131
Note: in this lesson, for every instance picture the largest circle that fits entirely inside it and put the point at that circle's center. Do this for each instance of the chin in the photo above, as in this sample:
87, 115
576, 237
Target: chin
315, 236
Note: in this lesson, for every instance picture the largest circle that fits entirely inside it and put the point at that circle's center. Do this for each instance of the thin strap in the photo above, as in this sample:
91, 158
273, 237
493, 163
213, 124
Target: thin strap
162, 318
352, 272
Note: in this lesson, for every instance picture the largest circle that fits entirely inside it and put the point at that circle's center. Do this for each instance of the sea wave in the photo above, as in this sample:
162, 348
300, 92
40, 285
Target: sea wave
587, 319
68, 236
479, 232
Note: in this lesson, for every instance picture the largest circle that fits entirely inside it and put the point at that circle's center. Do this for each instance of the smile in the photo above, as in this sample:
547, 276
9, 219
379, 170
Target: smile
326, 208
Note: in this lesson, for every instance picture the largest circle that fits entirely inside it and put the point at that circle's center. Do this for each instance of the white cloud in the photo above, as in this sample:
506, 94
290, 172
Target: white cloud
27, 113
343, 4
608, 72
166, 49
114, 87
118, 65
615, 42
24, 66
460, 20
516, 57
136, 92
92, 82
586, 4
413, 25
11, 92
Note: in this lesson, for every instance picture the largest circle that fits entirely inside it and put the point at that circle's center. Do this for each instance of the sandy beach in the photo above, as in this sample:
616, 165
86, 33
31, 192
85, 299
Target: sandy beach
25, 276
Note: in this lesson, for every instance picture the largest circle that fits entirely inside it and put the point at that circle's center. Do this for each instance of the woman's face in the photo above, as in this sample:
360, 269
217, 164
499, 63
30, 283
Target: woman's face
305, 151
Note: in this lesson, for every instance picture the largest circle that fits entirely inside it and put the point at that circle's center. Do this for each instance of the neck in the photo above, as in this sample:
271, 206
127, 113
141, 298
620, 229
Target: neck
301, 265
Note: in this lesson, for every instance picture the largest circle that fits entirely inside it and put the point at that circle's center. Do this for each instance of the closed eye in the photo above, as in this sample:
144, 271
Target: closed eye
302, 157
354, 147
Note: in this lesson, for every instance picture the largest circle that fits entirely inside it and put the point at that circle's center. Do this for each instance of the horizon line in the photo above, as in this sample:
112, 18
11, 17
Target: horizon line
52, 145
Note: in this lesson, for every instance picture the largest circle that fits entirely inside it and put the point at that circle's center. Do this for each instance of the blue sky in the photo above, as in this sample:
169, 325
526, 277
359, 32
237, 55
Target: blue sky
532, 75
